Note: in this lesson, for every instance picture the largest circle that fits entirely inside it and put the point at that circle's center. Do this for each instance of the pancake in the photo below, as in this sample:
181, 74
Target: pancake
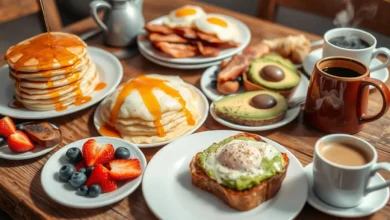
46, 52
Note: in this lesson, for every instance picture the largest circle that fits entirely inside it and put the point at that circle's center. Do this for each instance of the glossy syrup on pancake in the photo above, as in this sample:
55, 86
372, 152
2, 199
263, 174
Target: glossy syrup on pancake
145, 86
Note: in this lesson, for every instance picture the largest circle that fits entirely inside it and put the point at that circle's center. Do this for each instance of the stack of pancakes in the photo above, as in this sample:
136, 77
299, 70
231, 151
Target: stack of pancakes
126, 110
51, 71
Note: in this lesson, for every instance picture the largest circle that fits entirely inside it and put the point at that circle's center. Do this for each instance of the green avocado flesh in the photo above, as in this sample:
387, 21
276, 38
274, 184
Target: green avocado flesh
291, 75
239, 106
243, 182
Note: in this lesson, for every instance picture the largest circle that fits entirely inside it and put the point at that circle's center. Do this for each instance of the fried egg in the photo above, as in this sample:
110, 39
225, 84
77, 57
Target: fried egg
184, 16
218, 26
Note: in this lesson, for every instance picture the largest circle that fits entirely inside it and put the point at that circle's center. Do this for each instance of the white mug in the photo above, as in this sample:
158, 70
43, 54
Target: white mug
345, 186
364, 55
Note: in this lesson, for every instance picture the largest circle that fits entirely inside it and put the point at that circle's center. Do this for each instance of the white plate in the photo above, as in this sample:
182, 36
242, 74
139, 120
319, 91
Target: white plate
371, 204
203, 109
243, 38
109, 69
169, 193
315, 55
7, 153
179, 66
65, 194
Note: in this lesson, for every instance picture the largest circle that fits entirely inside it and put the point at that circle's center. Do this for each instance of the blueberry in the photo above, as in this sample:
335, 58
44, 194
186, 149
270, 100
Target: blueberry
66, 172
82, 191
83, 170
2, 140
74, 154
78, 179
94, 190
122, 153
20, 127
89, 170
213, 84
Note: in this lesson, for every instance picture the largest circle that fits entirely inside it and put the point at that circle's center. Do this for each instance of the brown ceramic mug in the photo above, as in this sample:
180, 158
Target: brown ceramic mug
338, 104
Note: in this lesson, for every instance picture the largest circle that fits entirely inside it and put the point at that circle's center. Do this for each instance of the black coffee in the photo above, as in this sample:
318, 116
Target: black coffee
341, 72
349, 42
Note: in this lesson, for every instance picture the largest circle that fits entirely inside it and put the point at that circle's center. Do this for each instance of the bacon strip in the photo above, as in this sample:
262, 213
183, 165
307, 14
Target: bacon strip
207, 50
161, 29
186, 32
177, 50
255, 51
209, 38
172, 38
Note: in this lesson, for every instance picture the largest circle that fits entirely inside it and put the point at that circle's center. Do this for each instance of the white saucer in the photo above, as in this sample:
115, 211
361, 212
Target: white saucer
203, 109
371, 204
169, 193
65, 194
7, 153
315, 55
109, 69
179, 66
243, 38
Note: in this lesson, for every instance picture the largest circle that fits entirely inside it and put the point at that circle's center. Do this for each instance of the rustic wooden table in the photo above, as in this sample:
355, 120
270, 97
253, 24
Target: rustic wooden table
21, 193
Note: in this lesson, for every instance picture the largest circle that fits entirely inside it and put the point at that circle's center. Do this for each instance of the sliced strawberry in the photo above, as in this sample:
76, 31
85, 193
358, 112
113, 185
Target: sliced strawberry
7, 127
19, 142
95, 153
100, 175
80, 164
125, 169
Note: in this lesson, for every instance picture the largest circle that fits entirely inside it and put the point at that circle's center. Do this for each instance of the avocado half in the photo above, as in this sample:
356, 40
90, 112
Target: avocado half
239, 108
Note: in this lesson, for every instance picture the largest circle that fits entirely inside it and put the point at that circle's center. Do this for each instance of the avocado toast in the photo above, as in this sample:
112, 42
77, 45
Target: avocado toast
242, 170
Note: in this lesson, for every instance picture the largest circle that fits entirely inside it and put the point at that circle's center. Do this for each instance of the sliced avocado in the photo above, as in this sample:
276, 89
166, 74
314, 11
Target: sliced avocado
281, 60
272, 75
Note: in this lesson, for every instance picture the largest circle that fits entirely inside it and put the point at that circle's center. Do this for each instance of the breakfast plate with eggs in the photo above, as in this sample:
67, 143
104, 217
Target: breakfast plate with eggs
189, 35
152, 110
209, 176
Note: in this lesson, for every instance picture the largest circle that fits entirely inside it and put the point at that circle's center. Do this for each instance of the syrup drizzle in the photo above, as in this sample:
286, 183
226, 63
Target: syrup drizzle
100, 86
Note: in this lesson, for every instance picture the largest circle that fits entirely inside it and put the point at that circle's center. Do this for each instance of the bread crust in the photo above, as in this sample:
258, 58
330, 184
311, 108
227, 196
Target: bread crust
240, 200
250, 122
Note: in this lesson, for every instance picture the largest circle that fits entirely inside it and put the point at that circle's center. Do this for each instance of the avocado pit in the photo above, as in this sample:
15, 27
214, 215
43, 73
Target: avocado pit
263, 101
272, 73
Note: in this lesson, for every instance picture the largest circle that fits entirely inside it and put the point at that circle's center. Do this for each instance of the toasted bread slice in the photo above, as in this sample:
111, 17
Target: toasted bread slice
43, 134
240, 200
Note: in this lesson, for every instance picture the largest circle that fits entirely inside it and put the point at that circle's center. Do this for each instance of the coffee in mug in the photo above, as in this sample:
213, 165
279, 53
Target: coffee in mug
349, 42
345, 154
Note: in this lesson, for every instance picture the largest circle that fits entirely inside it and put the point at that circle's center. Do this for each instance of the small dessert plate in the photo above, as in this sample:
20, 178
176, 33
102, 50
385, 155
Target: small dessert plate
203, 108
8, 154
315, 55
371, 204
65, 194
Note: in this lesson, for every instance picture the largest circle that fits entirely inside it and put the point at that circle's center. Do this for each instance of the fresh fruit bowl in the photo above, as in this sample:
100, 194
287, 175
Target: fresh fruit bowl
63, 192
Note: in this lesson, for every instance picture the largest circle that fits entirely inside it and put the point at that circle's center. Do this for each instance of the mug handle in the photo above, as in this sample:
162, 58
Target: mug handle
383, 51
385, 92
377, 167
95, 5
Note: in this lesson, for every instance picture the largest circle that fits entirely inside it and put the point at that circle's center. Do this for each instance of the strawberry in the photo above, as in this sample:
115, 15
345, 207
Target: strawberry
7, 127
80, 164
95, 153
19, 142
125, 169
100, 175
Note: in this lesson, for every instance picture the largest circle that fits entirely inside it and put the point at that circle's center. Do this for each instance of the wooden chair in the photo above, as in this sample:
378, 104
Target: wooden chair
329, 8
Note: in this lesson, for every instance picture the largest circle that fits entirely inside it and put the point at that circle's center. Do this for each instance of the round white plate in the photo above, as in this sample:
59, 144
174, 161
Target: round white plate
179, 66
315, 55
203, 109
109, 69
168, 176
7, 153
65, 194
371, 204
243, 39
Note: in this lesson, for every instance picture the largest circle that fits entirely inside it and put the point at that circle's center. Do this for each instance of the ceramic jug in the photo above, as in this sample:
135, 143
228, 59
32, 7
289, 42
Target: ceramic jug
122, 22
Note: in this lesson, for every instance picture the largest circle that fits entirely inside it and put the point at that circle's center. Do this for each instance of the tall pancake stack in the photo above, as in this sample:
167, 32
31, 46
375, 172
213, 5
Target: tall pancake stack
51, 71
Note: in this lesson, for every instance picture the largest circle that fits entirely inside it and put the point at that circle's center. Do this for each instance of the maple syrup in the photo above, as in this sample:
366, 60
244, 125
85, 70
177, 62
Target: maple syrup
100, 86
109, 131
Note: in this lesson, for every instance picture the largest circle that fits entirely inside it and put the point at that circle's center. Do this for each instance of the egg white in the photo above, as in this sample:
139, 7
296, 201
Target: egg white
172, 20
228, 33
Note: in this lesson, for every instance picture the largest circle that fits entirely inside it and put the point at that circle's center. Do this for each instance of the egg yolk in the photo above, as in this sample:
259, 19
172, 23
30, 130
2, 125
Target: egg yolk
217, 21
185, 12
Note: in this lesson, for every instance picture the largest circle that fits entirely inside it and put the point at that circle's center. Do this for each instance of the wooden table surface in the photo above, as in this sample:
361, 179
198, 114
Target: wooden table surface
21, 193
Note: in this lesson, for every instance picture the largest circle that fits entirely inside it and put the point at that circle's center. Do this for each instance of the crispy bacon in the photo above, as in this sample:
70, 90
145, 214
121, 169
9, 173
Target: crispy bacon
208, 51
161, 29
209, 38
172, 38
255, 51
236, 66
186, 32
177, 50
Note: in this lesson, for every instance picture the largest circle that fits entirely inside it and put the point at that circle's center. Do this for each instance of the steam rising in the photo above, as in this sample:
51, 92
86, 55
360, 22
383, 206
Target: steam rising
349, 17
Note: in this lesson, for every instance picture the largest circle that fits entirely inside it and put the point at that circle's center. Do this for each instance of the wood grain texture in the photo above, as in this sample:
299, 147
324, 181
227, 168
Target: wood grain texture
21, 193
11, 9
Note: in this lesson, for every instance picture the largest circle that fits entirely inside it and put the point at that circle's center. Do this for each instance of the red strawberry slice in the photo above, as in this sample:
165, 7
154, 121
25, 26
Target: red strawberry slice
19, 142
95, 153
100, 175
125, 169
7, 127
80, 164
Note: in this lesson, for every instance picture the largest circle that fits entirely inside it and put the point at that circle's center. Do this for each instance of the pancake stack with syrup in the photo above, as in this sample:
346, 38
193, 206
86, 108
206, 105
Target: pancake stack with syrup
51, 71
